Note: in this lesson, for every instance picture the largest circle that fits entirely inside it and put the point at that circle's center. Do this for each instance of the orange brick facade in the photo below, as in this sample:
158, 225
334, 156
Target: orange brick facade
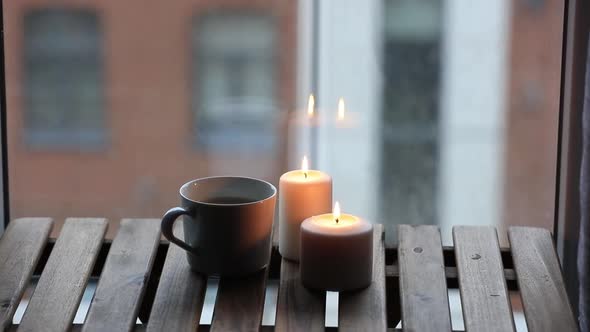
147, 86
532, 118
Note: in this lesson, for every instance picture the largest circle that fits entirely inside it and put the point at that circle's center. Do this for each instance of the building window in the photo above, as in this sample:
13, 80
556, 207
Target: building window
234, 96
63, 80
411, 110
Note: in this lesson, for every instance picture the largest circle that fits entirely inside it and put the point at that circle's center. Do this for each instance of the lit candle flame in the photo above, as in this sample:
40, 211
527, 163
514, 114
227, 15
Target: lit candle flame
304, 166
340, 108
336, 212
310, 105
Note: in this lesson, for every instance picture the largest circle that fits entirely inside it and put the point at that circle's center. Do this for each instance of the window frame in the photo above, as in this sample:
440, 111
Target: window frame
566, 227
3, 136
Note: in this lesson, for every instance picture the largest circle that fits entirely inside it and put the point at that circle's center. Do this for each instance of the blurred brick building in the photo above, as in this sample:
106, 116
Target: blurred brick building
147, 105
533, 113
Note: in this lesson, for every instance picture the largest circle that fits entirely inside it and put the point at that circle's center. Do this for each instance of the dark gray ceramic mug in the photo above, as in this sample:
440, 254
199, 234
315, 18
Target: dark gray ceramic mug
227, 222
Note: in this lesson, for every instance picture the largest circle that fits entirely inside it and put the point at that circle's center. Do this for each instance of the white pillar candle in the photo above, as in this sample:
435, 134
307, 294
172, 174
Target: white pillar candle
302, 194
336, 252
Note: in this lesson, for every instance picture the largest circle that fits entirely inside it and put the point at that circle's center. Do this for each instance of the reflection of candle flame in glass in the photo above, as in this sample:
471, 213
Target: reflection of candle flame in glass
340, 108
336, 212
304, 166
310, 105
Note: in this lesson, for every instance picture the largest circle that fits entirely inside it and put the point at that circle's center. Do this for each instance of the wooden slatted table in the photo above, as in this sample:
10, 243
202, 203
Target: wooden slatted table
143, 276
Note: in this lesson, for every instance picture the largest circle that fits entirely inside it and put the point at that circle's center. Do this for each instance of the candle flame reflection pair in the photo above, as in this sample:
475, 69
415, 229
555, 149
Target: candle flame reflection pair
305, 169
311, 107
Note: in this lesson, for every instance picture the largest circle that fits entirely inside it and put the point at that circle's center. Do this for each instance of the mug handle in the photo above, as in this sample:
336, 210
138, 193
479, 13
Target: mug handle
167, 226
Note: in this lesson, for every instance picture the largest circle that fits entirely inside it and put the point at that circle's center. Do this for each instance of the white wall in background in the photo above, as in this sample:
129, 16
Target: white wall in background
350, 66
474, 86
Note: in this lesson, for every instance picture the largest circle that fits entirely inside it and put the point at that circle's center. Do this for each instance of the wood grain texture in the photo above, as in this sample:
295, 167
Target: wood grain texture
21, 246
124, 276
61, 285
366, 309
298, 309
78, 328
450, 272
179, 298
540, 281
239, 303
423, 285
484, 296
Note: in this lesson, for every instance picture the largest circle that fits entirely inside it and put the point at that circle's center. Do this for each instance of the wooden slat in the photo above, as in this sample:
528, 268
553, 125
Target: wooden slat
423, 285
450, 272
240, 303
59, 290
179, 300
484, 298
20, 249
298, 309
540, 281
365, 309
124, 276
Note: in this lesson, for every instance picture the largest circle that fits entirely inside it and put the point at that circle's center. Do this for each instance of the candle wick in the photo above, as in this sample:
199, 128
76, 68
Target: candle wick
337, 220
305, 174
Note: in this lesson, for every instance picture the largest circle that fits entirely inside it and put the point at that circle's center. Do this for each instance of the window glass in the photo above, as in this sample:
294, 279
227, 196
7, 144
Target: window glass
450, 107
